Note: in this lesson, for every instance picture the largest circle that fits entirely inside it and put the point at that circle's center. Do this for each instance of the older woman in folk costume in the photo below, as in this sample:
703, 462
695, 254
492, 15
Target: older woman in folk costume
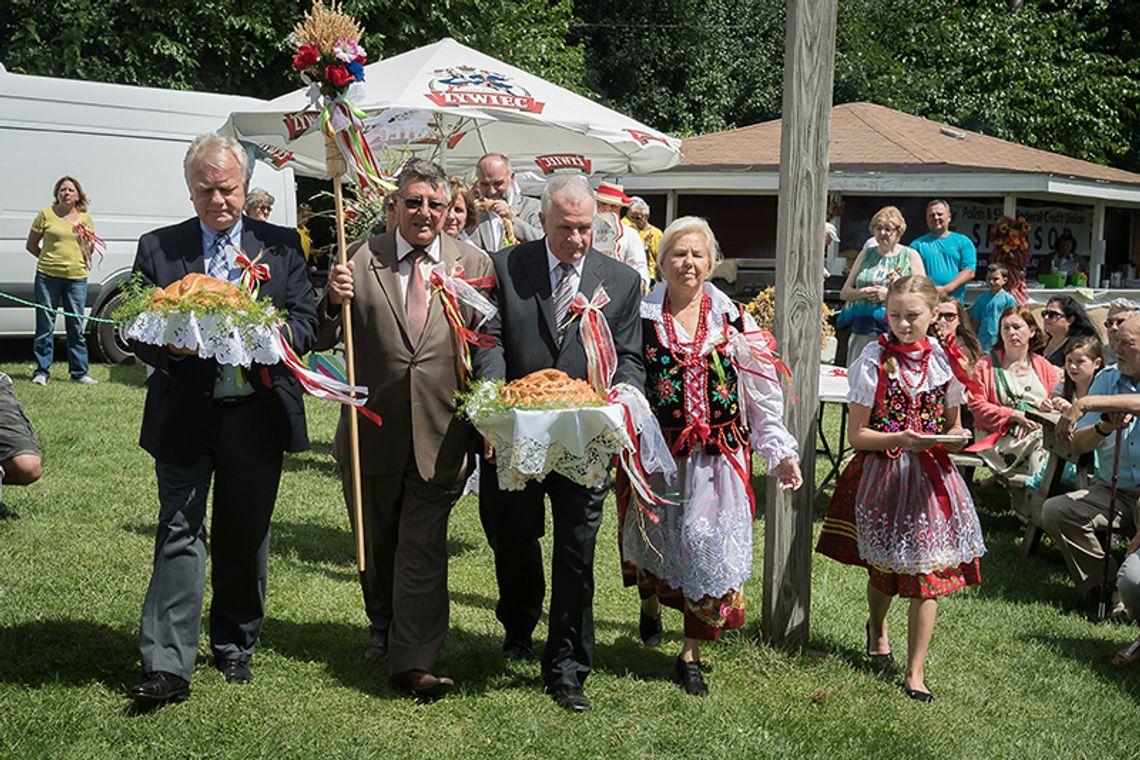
712, 383
900, 507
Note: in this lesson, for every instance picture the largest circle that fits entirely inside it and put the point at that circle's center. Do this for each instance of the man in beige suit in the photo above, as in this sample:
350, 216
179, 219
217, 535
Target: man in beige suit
414, 464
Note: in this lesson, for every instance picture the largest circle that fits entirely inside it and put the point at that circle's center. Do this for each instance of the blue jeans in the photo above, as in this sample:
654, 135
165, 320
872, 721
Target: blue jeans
71, 296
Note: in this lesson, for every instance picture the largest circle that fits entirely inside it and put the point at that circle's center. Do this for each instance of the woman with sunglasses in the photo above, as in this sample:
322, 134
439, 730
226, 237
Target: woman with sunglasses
950, 325
1063, 318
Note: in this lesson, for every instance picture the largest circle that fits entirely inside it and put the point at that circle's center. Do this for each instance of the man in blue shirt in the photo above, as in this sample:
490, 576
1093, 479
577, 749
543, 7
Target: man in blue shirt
949, 257
1073, 519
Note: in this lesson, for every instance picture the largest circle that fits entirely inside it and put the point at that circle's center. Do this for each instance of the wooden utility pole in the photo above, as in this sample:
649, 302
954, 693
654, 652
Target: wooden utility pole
809, 68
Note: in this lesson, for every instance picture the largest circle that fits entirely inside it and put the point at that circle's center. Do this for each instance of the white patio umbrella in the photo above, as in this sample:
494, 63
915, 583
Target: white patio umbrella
449, 102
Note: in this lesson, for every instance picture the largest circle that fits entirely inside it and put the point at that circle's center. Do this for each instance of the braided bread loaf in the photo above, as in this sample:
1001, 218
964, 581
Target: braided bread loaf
548, 387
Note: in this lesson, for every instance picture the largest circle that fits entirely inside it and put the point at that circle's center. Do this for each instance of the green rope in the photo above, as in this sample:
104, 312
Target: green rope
59, 312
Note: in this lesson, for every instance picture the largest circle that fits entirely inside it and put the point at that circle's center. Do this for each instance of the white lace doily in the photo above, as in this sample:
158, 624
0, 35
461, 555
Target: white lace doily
220, 337
578, 444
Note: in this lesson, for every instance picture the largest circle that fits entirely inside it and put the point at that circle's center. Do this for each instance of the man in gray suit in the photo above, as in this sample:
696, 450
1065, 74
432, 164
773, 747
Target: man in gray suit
504, 207
535, 282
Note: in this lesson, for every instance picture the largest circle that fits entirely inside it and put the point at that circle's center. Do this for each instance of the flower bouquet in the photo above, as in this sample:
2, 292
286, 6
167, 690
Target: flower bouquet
1010, 241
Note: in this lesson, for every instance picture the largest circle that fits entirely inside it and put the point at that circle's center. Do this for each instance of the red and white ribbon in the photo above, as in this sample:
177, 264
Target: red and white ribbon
252, 274
321, 385
752, 349
637, 415
86, 234
454, 290
601, 356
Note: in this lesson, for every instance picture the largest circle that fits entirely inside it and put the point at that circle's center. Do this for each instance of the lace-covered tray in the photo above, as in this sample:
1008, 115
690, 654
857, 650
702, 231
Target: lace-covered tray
223, 337
578, 444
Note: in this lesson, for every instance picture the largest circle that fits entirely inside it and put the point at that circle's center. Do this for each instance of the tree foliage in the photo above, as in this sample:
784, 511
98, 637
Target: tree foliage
241, 47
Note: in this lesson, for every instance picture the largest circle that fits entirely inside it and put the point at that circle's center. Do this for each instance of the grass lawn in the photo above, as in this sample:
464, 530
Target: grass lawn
1018, 669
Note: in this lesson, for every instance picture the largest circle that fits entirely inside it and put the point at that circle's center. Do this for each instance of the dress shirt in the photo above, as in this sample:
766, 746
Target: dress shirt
427, 263
556, 273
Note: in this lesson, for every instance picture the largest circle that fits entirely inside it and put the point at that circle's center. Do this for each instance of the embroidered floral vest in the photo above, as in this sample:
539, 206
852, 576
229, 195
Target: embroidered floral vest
695, 406
897, 411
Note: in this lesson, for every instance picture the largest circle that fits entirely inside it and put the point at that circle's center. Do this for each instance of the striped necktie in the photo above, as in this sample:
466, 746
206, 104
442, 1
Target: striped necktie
219, 266
563, 295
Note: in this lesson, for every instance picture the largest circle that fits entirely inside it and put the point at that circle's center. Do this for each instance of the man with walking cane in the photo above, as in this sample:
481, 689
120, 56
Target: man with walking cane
1104, 420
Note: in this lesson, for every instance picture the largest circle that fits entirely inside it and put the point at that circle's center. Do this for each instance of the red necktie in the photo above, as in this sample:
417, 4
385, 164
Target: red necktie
415, 298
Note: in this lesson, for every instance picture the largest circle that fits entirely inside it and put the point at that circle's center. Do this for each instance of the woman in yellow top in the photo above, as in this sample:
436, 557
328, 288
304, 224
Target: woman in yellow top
61, 278
638, 218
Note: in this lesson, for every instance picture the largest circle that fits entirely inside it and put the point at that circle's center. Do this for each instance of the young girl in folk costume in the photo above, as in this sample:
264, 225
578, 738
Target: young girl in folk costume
900, 507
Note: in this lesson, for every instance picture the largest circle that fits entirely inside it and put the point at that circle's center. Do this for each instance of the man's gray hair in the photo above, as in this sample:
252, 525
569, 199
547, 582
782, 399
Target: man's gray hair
419, 170
210, 150
637, 205
1123, 304
572, 187
496, 157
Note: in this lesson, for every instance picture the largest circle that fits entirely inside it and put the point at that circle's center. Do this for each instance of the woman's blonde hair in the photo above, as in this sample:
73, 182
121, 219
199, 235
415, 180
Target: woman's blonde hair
81, 203
888, 215
683, 226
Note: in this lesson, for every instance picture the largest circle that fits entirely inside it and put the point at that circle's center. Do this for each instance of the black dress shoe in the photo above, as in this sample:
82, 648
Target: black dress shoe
235, 671
159, 686
570, 698
515, 650
422, 684
689, 674
882, 660
377, 649
650, 630
921, 696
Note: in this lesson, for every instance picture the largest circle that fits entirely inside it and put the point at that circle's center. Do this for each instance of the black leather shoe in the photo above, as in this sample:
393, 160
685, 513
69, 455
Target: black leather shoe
235, 671
516, 651
882, 660
921, 696
377, 649
570, 698
159, 686
422, 684
650, 630
689, 673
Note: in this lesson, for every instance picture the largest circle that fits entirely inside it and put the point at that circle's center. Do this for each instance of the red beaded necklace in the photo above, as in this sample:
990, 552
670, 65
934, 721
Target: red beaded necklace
692, 356
919, 368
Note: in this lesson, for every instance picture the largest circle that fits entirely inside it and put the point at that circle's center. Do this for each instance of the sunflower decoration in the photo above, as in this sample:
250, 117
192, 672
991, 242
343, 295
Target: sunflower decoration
1010, 241
763, 310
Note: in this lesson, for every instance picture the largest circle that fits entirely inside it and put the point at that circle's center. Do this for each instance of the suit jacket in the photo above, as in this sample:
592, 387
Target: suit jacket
525, 336
527, 226
411, 387
179, 395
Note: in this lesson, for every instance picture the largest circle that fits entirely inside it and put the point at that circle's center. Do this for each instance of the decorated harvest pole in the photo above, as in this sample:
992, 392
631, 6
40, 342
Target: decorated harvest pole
330, 59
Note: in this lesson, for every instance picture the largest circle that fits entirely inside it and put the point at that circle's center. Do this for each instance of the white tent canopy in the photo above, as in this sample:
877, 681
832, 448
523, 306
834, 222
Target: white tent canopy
453, 104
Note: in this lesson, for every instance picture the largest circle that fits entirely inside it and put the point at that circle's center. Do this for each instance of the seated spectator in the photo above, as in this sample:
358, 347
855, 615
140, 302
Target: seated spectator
950, 324
1063, 319
1014, 380
1118, 311
20, 462
1074, 520
1064, 259
259, 204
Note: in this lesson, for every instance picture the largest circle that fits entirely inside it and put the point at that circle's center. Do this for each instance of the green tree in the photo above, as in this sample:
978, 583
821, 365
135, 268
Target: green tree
241, 47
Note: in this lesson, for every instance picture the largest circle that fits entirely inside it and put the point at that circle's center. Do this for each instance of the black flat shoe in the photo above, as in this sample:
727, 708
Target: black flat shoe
920, 696
159, 687
886, 659
650, 630
235, 671
689, 673
570, 698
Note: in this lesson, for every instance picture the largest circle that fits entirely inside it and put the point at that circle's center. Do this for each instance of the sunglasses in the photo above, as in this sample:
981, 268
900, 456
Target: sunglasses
1115, 322
437, 207
1050, 314
946, 315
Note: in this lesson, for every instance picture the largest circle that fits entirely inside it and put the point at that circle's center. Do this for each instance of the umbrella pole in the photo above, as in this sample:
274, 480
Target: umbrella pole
350, 370
1102, 607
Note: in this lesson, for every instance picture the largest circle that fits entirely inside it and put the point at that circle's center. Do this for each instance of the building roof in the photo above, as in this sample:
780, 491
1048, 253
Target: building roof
866, 137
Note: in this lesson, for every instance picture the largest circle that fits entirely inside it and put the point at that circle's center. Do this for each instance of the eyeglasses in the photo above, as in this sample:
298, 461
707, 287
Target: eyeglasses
437, 207
886, 230
1050, 314
947, 316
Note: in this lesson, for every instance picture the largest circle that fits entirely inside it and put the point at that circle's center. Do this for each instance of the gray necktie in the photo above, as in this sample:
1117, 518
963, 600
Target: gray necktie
563, 294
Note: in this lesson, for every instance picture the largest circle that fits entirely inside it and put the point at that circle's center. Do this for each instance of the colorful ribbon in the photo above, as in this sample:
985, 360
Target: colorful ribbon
323, 386
629, 458
342, 121
454, 290
252, 273
749, 348
598, 341
86, 234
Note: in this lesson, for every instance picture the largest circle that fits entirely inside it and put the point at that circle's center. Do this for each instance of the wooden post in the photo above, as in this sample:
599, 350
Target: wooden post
809, 66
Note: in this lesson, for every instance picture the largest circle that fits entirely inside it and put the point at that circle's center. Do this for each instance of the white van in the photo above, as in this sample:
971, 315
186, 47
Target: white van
125, 145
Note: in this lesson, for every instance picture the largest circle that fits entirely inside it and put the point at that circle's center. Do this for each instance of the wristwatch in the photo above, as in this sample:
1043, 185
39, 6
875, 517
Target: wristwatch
1102, 433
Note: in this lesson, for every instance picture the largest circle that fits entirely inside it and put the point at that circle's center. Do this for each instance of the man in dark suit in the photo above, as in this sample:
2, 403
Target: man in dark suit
209, 424
535, 283
414, 464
